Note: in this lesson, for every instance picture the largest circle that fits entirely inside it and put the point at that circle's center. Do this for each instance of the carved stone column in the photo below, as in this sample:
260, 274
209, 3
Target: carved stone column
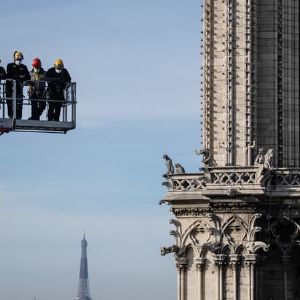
200, 265
234, 264
219, 262
181, 265
286, 261
250, 261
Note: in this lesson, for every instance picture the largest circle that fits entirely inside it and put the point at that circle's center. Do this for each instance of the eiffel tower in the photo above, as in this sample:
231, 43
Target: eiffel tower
83, 286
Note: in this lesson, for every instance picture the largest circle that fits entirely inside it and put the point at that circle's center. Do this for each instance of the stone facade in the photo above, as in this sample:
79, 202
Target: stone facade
237, 223
237, 233
251, 80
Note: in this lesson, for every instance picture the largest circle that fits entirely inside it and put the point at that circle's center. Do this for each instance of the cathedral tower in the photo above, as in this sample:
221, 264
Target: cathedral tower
251, 80
237, 221
83, 286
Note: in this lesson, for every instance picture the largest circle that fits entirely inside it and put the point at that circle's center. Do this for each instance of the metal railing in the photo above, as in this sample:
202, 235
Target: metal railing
19, 99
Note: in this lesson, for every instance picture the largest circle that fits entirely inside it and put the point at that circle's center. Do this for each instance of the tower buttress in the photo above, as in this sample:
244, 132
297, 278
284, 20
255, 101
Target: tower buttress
251, 80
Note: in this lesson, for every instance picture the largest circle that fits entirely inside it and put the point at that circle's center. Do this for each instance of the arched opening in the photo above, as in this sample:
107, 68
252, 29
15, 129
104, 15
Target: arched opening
294, 278
270, 275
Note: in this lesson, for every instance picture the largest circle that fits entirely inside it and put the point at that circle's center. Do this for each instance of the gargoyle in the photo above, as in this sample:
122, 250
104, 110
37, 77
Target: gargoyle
166, 250
167, 184
175, 222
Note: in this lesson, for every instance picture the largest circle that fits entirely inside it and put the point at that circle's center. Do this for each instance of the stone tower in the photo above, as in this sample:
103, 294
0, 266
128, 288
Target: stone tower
83, 286
237, 221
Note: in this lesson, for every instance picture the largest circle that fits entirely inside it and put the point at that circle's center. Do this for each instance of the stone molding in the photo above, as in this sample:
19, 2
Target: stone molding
235, 181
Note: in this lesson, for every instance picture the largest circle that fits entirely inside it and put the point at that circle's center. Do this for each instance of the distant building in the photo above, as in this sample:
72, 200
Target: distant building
83, 286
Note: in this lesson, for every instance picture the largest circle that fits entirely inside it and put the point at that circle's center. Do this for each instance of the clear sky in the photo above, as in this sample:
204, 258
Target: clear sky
137, 65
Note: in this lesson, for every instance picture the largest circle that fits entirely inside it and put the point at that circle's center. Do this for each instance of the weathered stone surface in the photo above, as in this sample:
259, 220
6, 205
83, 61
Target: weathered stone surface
237, 233
237, 226
251, 80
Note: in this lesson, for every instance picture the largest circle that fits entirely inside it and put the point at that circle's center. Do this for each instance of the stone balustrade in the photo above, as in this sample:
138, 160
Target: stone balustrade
236, 178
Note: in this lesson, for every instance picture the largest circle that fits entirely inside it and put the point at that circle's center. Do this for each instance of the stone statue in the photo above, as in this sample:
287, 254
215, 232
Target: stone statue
265, 160
260, 159
179, 169
264, 174
268, 159
206, 158
169, 165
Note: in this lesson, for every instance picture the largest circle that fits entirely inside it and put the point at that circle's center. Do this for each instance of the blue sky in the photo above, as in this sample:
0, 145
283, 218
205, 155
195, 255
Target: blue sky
137, 66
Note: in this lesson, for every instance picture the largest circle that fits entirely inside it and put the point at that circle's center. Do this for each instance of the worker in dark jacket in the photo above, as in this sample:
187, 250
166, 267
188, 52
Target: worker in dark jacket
58, 79
18, 72
2, 73
36, 89
2, 77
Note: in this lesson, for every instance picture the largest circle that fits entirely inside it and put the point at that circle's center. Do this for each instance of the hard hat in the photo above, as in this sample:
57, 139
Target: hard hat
18, 55
36, 63
58, 62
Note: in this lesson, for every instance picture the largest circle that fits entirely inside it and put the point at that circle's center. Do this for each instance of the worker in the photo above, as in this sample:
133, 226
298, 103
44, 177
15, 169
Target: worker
18, 72
58, 79
2, 77
2, 73
36, 89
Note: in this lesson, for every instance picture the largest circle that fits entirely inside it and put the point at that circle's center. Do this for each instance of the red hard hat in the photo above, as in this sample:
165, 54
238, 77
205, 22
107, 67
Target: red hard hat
36, 63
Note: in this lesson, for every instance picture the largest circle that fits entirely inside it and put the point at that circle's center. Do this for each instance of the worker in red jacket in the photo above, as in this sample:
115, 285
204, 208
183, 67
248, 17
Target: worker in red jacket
58, 79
